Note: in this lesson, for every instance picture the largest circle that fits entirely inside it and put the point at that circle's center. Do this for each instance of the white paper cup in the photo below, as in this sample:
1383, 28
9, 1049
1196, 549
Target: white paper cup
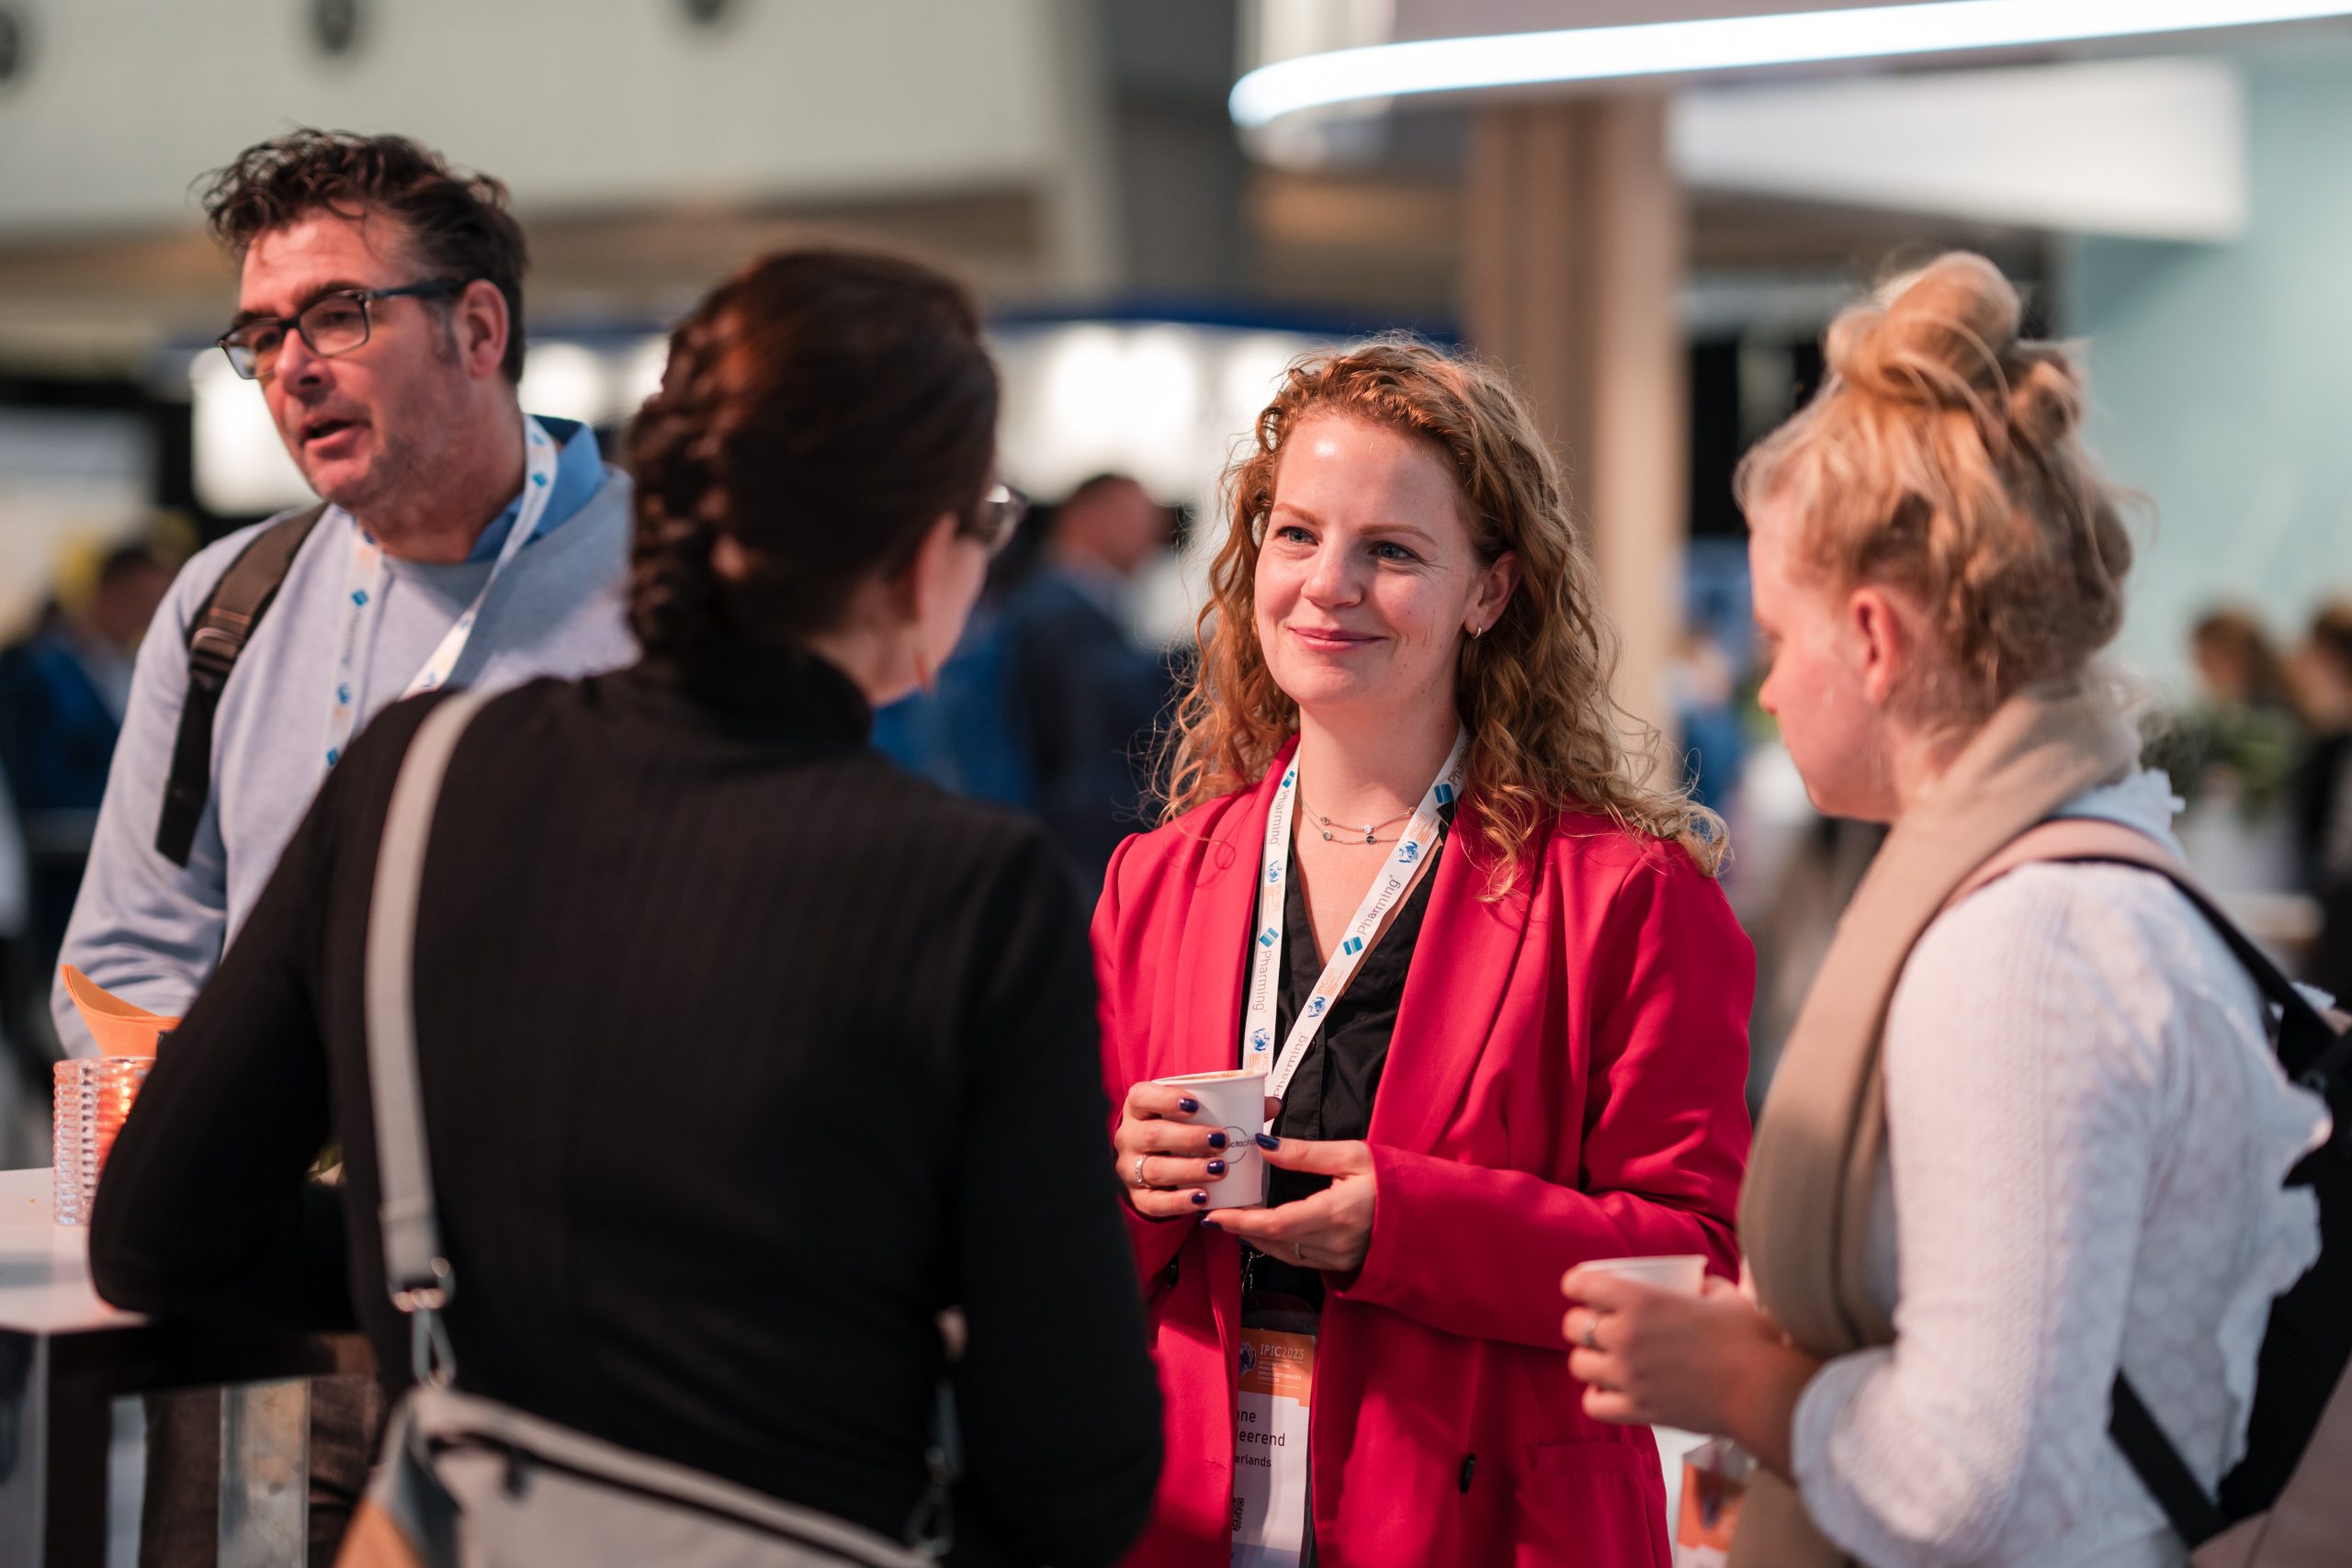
1684, 1273
1236, 1103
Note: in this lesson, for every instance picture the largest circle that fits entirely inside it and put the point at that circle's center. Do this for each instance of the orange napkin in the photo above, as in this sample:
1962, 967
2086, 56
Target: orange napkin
120, 1028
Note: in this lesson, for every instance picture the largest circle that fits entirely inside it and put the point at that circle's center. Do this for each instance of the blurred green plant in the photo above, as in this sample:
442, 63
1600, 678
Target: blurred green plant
2257, 746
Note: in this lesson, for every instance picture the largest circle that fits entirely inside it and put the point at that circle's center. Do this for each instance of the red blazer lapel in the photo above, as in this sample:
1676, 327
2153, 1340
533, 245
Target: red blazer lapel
1462, 967
1213, 951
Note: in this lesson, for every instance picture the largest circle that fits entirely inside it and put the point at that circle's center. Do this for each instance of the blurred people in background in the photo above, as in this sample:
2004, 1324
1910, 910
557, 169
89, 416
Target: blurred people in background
2232, 755
2322, 673
1085, 696
2014, 1136
2236, 665
1502, 997
62, 692
960, 732
1705, 686
824, 1036
460, 541
15, 898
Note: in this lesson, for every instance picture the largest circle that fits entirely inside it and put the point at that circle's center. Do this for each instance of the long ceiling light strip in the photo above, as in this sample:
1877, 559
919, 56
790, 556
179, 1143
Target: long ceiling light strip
1731, 43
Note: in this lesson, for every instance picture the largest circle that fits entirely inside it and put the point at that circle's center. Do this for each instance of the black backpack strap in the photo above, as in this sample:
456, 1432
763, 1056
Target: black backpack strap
223, 627
2298, 1050
2313, 1054
2313, 1049
2195, 1516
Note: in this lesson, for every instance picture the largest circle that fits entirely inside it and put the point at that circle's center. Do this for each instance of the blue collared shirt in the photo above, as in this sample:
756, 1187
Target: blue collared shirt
579, 471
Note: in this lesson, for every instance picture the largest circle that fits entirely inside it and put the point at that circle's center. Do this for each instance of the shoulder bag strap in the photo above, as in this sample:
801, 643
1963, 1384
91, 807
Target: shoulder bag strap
415, 1273
417, 1277
231, 612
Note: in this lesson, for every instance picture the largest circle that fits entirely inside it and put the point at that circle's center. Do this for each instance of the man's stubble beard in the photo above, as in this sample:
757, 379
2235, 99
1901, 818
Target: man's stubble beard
403, 465
393, 469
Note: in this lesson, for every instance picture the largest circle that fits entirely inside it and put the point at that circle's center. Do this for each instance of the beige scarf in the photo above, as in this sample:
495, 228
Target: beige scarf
1805, 1215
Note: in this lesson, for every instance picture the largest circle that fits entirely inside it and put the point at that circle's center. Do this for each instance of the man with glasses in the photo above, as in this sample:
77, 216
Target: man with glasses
379, 315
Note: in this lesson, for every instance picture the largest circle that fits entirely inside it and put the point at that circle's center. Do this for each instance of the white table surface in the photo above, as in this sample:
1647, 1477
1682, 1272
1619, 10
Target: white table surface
63, 1470
45, 1267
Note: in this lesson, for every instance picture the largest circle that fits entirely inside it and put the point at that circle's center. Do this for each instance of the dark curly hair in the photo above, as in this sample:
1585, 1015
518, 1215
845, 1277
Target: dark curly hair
457, 221
821, 409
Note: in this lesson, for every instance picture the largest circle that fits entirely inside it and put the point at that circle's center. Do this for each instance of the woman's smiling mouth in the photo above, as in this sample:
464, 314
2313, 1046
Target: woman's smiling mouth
1328, 640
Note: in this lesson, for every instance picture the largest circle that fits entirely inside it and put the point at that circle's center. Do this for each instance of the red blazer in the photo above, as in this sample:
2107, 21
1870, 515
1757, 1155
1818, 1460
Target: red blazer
1566, 1082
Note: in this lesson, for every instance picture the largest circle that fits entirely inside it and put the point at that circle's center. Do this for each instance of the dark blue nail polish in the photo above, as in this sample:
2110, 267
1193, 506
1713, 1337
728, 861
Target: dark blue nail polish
1268, 1141
1188, 1105
1212, 1225
1216, 1140
1216, 1168
1200, 1200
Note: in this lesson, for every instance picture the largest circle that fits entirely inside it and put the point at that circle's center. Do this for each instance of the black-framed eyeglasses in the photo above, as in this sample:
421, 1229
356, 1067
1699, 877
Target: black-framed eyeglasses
331, 324
997, 517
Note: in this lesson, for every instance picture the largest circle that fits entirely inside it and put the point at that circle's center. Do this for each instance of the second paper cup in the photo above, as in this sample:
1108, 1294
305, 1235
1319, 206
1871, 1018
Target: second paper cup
1683, 1273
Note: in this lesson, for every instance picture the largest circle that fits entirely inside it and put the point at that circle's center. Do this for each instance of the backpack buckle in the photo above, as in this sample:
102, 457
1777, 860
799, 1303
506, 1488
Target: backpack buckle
212, 652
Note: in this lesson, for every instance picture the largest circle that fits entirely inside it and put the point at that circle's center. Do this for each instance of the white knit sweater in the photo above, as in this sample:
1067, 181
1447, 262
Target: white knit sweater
2086, 1136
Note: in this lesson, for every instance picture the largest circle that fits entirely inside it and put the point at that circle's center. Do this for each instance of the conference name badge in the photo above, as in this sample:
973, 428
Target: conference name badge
1269, 1449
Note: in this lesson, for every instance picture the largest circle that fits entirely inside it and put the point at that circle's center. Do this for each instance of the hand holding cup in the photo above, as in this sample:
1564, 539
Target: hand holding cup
1184, 1145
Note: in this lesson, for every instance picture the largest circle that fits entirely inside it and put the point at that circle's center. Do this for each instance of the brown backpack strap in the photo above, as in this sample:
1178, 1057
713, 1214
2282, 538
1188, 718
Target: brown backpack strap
2092, 840
2063, 838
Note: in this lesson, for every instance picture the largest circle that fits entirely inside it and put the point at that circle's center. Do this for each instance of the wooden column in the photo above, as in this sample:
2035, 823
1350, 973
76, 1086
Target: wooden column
1574, 276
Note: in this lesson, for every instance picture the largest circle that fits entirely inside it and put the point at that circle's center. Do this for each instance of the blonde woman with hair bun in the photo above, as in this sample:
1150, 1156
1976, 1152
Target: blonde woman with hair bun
1414, 865
2028, 1130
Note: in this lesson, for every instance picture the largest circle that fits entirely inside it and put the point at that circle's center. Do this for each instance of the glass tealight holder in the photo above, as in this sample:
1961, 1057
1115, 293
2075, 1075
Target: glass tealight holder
92, 1095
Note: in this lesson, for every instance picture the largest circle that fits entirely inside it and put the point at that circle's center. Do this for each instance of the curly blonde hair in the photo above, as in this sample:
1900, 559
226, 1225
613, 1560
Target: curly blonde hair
1546, 734
1942, 458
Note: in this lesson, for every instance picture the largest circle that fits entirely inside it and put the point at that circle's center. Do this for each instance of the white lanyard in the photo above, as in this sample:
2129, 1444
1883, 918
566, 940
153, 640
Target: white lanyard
363, 591
1387, 889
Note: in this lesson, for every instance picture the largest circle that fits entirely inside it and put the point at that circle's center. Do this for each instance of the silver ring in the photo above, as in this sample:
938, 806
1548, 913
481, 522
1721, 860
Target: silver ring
1140, 1183
1298, 1252
1585, 1338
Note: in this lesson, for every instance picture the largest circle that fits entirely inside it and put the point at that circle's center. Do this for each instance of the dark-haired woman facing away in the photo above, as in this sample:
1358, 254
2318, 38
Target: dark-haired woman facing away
744, 1054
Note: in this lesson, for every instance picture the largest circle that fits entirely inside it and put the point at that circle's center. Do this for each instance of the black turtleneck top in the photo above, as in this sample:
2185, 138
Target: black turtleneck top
744, 1054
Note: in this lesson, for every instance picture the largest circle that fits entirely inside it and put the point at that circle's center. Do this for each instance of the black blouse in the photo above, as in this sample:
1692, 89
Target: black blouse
1332, 1095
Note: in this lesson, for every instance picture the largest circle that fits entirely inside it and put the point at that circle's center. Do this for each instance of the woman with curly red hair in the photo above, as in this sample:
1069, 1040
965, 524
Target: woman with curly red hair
1414, 869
